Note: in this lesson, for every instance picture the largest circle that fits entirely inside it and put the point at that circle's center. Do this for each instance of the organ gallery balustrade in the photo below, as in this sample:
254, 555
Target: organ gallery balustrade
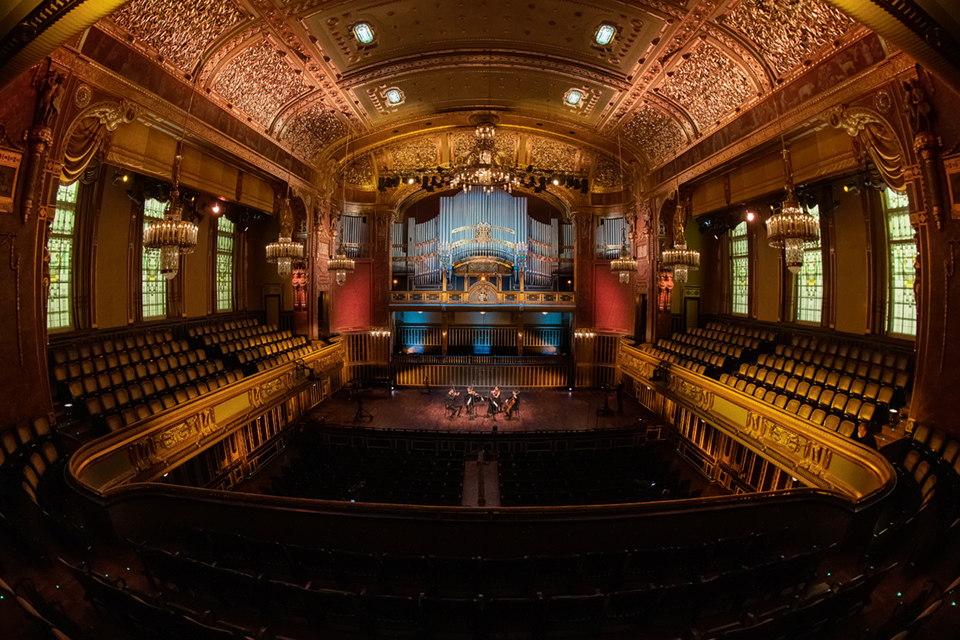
818, 457
485, 294
147, 450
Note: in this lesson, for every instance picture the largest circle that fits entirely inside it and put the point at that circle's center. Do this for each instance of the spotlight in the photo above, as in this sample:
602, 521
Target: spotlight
750, 216
584, 186
425, 183
411, 181
851, 187
556, 182
543, 182
381, 184
529, 168
121, 177
576, 183
216, 208
533, 181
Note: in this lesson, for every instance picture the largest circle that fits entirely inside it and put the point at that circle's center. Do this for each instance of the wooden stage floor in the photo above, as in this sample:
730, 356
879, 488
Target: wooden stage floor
540, 410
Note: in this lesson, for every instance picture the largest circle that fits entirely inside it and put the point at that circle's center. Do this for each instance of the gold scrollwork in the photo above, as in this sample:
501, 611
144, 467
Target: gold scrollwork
259, 395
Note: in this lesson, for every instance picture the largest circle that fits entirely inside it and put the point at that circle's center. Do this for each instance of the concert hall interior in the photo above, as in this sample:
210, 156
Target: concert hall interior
492, 319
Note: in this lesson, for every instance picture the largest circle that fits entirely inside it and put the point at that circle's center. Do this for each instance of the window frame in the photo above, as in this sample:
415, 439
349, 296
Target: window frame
810, 250
66, 240
899, 252
149, 276
224, 256
743, 259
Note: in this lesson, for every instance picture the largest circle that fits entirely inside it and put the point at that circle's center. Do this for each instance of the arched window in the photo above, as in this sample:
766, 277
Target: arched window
224, 279
60, 245
739, 270
901, 303
808, 284
153, 283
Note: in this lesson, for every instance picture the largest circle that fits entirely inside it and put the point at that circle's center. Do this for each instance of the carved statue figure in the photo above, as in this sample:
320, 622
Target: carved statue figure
49, 89
665, 287
916, 105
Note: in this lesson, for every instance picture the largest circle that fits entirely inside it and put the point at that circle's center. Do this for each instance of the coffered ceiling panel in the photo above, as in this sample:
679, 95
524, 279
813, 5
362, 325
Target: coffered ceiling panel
312, 129
655, 133
470, 88
554, 28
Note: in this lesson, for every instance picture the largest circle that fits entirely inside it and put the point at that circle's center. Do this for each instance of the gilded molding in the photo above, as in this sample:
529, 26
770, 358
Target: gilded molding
261, 394
804, 453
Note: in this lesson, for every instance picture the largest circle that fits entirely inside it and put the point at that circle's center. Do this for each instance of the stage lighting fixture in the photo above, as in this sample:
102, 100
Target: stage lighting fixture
584, 186
750, 216
543, 182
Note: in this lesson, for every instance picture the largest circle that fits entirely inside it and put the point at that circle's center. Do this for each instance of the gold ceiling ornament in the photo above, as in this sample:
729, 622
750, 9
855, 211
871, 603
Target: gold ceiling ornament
791, 227
173, 235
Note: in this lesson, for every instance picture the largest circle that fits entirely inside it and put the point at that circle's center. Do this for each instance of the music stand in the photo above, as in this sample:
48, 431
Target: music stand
361, 412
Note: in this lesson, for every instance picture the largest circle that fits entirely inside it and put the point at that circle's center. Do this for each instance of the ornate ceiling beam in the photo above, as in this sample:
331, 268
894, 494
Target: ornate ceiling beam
913, 26
32, 29
460, 58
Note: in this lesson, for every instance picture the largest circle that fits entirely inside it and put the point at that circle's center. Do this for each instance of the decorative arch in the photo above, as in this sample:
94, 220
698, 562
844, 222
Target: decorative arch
877, 137
86, 133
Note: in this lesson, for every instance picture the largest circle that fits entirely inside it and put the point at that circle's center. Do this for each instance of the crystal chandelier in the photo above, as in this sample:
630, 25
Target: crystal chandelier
792, 226
283, 253
341, 265
483, 167
680, 259
624, 264
173, 236
790, 229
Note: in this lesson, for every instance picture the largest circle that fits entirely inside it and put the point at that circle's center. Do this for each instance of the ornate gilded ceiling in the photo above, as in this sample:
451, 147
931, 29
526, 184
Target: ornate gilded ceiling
675, 71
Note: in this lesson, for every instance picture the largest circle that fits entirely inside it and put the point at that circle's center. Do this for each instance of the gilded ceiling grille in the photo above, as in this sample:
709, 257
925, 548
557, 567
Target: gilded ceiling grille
179, 31
655, 133
788, 31
708, 84
259, 81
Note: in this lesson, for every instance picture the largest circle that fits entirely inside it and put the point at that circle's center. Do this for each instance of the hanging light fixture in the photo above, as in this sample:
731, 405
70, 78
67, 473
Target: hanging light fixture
285, 251
792, 226
340, 264
625, 264
173, 235
679, 259
483, 167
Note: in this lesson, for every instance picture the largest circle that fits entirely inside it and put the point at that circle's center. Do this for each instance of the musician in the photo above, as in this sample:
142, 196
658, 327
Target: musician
493, 403
452, 404
472, 397
511, 405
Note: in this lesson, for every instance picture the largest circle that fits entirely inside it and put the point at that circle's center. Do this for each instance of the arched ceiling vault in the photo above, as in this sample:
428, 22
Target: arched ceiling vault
292, 70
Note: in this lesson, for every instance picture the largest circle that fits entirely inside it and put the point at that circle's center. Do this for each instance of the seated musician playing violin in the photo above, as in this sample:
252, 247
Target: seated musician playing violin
493, 403
451, 402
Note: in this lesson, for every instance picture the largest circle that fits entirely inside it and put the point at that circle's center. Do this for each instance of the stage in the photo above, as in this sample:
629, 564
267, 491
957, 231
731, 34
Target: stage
540, 410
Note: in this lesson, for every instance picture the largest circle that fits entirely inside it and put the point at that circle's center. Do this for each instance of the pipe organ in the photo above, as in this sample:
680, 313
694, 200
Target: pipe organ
610, 237
483, 234
356, 236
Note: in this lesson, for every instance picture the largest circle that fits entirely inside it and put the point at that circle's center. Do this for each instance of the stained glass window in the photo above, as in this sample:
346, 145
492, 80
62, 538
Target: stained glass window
809, 282
394, 96
225, 236
61, 258
573, 97
740, 270
901, 304
154, 284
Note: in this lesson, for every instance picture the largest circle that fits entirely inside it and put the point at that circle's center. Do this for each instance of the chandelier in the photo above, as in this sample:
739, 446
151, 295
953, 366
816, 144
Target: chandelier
680, 259
283, 253
173, 236
340, 264
483, 167
790, 229
624, 264
792, 226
